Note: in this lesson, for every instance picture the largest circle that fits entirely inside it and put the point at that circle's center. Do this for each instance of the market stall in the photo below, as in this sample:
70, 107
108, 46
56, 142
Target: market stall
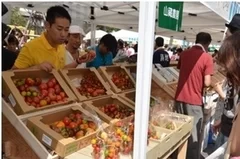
37, 121
44, 122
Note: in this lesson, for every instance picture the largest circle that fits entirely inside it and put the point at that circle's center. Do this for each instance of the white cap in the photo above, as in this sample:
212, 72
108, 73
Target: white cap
74, 29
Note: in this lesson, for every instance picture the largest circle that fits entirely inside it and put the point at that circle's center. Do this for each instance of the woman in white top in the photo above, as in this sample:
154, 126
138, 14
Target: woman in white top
73, 53
121, 54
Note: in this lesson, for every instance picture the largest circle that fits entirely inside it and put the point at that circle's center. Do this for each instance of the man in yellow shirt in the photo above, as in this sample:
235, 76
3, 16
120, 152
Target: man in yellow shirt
47, 51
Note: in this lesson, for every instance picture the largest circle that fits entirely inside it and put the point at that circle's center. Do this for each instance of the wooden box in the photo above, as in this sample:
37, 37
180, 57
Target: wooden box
12, 93
183, 129
107, 73
132, 69
77, 74
62, 146
114, 99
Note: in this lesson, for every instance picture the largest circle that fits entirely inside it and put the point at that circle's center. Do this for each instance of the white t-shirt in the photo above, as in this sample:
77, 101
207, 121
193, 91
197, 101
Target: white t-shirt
130, 51
69, 60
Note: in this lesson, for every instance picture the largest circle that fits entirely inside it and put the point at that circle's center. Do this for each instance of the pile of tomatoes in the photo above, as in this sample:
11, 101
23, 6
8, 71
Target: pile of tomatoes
122, 80
74, 125
38, 93
90, 86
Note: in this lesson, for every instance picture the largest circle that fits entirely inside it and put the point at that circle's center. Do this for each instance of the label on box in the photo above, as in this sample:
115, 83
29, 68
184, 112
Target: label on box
47, 140
71, 148
12, 100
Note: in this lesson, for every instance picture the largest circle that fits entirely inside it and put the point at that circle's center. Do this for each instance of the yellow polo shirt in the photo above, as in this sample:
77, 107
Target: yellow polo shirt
39, 50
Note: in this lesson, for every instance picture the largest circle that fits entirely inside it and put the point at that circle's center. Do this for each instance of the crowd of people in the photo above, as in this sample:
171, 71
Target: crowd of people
196, 68
59, 47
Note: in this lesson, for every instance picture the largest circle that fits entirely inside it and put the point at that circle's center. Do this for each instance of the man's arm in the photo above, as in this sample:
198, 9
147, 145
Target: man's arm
208, 71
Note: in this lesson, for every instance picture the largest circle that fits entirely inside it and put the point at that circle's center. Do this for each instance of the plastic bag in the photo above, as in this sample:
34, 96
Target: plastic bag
76, 82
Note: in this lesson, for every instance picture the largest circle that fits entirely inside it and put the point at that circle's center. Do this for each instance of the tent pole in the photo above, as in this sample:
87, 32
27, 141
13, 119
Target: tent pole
171, 41
93, 32
146, 27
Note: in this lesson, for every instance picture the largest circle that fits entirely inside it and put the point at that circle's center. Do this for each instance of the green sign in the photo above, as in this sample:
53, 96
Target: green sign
170, 15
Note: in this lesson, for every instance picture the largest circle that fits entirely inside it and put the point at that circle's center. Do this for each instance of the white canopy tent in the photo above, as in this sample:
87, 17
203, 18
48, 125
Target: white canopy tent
126, 35
98, 34
124, 15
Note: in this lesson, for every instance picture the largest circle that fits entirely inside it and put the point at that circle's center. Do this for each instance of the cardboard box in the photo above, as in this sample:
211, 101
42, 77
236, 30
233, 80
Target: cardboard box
73, 74
12, 94
62, 146
107, 72
114, 99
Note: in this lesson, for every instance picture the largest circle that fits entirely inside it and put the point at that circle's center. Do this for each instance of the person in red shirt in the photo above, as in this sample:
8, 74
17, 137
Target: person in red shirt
196, 68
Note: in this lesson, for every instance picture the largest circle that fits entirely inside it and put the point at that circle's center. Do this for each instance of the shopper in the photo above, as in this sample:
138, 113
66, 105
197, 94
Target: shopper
13, 44
229, 59
121, 54
8, 57
47, 51
73, 51
107, 45
227, 104
196, 68
160, 56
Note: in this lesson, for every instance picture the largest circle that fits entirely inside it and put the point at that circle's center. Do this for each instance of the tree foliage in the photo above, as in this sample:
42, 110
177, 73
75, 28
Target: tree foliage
107, 29
17, 18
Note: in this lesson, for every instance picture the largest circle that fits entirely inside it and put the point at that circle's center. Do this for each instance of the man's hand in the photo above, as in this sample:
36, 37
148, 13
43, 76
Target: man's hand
216, 126
46, 66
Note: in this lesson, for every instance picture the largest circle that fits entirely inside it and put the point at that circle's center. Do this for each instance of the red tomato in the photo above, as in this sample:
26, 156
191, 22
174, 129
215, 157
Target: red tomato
44, 93
43, 86
52, 96
72, 125
48, 99
58, 98
78, 116
51, 90
50, 84
53, 80
57, 90
57, 86
66, 121
62, 94
29, 99
36, 100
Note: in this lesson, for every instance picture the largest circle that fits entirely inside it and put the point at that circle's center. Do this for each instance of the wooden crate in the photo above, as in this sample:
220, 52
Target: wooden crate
184, 126
173, 71
114, 99
132, 69
107, 73
128, 97
14, 146
39, 126
71, 74
164, 73
12, 94
159, 89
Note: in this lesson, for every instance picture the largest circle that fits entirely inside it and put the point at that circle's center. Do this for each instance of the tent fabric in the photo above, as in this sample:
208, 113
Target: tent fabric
98, 34
125, 15
126, 35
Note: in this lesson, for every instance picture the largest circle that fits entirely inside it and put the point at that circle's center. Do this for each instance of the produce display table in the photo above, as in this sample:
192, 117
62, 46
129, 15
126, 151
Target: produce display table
98, 97
179, 144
